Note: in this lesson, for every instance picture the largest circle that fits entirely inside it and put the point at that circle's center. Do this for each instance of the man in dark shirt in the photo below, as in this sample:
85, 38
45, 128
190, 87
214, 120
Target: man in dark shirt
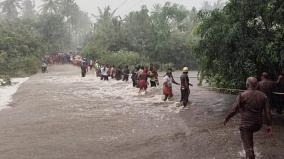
134, 76
251, 104
266, 85
126, 73
185, 91
279, 93
84, 67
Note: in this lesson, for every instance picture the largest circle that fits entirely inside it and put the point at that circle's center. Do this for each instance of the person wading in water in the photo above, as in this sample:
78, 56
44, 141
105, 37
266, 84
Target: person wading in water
84, 67
142, 80
126, 73
251, 104
279, 97
185, 91
168, 81
134, 76
153, 75
104, 73
266, 86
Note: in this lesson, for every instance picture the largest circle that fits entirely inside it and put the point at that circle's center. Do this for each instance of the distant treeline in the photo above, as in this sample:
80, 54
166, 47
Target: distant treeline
164, 35
227, 42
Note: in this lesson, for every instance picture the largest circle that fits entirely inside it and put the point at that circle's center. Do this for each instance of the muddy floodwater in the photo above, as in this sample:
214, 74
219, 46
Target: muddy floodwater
60, 115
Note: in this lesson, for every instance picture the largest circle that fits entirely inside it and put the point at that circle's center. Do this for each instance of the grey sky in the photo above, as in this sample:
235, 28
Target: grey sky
125, 6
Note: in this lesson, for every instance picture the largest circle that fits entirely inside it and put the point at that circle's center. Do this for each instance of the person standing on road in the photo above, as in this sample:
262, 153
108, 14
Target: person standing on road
251, 104
185, 91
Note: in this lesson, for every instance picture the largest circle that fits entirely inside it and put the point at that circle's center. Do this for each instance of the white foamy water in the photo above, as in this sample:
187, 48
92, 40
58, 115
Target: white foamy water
126, 99
257, 154
7, 92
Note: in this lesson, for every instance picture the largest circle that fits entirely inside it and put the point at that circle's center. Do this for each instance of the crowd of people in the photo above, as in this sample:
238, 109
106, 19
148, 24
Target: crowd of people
59, 58
254, 104
142, 77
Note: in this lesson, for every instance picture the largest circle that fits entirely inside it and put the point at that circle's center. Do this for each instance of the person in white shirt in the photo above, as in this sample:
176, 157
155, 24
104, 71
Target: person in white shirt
104, 73
168, 82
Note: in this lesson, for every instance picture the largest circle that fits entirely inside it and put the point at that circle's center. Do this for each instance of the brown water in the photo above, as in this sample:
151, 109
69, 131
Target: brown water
61, 115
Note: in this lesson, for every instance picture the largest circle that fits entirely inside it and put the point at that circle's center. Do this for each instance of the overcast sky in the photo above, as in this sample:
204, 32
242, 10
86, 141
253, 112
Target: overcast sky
125, 6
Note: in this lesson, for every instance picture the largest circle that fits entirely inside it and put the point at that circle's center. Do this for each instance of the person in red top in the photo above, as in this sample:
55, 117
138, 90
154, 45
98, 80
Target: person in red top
251, 104
142, 80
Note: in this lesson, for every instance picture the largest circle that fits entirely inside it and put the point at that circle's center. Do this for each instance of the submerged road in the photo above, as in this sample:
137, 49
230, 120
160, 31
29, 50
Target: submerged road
60, 115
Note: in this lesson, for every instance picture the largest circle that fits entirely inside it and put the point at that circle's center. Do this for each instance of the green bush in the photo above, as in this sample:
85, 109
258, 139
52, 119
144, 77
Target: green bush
238, 43
20, 67
21, 47
166, 66
123, 58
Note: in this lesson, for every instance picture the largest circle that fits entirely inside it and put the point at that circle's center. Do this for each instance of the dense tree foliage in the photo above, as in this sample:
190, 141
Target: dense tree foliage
229, 41
20, 47
241, 40
162, 35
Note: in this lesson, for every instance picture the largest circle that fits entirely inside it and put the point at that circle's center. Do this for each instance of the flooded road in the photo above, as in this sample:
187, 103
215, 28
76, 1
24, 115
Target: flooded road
60, 115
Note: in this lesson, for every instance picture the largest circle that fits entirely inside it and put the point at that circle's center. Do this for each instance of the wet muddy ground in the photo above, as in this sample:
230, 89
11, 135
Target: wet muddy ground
60, 115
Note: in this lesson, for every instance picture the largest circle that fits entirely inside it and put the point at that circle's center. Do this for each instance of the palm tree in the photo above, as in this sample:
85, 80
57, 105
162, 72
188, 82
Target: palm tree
10, 8
67, 7
28, 8
49, 7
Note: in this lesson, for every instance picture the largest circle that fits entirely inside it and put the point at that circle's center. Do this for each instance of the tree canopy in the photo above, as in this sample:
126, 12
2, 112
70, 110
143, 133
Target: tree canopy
227, 42
163, 34
242, 39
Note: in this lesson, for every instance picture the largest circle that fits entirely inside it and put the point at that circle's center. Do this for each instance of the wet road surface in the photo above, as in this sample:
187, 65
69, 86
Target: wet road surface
60, 115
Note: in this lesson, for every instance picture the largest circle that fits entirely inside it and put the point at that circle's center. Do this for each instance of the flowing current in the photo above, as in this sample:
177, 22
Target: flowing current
62, 115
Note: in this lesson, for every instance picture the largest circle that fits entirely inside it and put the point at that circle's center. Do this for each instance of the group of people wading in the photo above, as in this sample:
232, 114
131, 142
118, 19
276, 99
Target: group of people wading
142, 77
254, 105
